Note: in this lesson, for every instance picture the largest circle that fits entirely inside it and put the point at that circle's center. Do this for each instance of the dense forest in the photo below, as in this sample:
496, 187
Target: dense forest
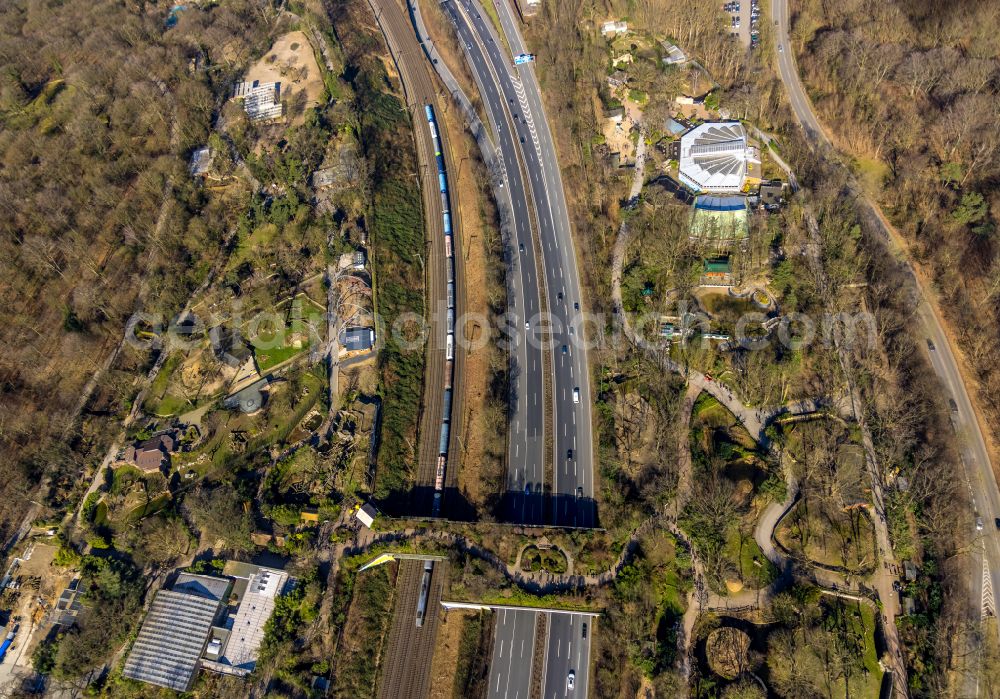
101, 104
911, 90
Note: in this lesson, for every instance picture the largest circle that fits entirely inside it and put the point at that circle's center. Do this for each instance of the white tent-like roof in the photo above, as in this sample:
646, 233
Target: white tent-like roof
714, 157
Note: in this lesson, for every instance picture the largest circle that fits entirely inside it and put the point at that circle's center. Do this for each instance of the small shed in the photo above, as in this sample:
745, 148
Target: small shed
357, 339
619, 78
675, 56
201, 162
771, 194
676, 127
366, 514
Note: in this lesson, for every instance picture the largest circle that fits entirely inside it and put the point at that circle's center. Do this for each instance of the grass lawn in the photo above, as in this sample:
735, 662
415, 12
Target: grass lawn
157, 401
711, 412
248, 247
674, 594
154, 505
637, 96
169, 405
267, 359
873, 172
859, 623
867, 625
833, 537
755, 570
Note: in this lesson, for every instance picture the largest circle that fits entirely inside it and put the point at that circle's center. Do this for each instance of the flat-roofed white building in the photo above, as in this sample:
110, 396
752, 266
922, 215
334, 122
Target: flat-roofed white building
715, 157
205, 621
614, 28
234, 647
260, 100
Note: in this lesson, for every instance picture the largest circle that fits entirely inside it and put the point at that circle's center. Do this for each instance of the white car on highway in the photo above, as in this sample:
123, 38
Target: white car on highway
571, 680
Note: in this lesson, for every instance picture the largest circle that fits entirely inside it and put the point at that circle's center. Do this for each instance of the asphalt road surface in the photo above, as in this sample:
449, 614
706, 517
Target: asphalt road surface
526, 446
513, 650
975, 457
511, 99
572, 491
568, 651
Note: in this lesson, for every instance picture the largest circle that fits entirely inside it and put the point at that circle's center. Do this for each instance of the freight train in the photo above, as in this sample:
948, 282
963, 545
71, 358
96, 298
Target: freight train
449, 368
425, 586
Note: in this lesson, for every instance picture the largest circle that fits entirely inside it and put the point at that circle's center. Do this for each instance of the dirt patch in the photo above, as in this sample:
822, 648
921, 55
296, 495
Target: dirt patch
478, 239
360, 376
446, 654
292, 62
40, 561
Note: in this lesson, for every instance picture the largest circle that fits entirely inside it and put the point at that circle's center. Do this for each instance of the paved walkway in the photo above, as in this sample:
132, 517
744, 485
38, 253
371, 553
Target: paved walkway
755, 421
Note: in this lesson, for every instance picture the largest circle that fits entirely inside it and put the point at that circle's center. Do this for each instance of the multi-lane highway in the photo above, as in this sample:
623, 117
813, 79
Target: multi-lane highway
526, 444
566, 663
512, 102
513, 653
571, 493
568, 654
985, 494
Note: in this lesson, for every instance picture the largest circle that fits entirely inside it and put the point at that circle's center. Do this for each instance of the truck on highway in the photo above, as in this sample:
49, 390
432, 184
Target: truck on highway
522, 58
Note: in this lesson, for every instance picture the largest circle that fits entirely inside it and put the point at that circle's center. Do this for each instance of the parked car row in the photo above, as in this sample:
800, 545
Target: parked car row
754, 19
734, 9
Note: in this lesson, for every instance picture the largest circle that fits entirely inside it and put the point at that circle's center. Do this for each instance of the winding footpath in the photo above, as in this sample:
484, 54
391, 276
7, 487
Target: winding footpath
755, 420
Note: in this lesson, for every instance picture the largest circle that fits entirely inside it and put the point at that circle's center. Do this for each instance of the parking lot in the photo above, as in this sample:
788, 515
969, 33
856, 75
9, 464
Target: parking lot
744, 18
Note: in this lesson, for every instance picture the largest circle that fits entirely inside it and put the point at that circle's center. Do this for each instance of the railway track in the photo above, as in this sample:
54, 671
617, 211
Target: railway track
420, 90
407, 661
